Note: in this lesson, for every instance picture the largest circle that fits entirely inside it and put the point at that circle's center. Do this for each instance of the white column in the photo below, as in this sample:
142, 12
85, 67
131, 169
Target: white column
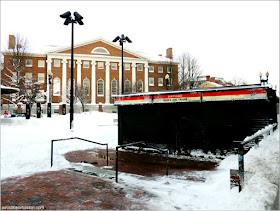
120, 77
93, 82
49, 70
133, 84
64, 80
107, 83
146, 77
79, 72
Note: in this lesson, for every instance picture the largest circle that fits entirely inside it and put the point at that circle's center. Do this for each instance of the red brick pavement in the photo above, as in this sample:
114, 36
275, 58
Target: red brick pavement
67, 190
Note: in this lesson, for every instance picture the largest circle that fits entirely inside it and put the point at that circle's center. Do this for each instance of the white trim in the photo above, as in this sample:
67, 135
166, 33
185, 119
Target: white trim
133, 88
93, 78
107, 83
146, 78
79, 72
64, 80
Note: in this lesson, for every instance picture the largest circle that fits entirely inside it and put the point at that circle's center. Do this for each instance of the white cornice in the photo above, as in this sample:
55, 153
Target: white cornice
100, 39
94, 57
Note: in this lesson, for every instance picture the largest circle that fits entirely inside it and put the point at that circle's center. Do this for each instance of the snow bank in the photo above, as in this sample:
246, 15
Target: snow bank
26, 144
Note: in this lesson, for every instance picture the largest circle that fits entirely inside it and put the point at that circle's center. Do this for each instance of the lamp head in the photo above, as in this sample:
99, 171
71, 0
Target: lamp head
267, 74
128, 40
116, 39
78, 18
67, 16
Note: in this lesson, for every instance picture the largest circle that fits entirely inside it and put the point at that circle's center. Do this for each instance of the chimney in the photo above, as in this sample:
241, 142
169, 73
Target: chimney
12, 41
169, 53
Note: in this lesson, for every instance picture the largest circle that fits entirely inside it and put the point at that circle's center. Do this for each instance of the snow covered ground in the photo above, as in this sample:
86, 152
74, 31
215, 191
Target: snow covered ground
26, 147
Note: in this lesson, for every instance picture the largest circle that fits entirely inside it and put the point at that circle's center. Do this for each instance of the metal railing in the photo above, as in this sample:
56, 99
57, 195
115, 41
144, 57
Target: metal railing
65, 139
247, 143
140, 147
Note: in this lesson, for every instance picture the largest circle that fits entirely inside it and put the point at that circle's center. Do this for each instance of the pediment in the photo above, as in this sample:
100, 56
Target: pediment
98, 47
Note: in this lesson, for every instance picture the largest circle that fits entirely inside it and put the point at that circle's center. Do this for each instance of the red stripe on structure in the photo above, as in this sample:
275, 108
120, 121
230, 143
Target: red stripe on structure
133, 98
237, 92
176, 96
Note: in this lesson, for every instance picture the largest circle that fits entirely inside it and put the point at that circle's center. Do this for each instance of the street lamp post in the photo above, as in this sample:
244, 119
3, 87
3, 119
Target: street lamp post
264, 80
69, 19
122, 39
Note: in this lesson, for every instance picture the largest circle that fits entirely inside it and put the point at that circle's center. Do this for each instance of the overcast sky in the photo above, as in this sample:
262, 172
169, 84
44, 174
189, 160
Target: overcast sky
229, 38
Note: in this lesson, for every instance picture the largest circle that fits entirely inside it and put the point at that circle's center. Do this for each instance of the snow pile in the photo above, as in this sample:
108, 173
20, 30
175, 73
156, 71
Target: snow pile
26, 144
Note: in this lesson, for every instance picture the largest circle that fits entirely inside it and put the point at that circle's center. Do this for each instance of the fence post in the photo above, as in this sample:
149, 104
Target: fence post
117, 160
107, 155
241, 167
52, 153
167, 163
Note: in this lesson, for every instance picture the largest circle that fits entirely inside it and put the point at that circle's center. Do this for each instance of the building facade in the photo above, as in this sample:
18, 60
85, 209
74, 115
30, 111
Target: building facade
97, 68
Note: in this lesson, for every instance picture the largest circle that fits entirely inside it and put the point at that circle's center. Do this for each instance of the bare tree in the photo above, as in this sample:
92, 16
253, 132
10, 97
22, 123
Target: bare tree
81, 95
13, 73
189, 71
238, 81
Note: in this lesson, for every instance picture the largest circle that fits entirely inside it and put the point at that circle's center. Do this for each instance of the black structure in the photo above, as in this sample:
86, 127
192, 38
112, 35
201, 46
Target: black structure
49, 110
208, 119
69, 19
39, 110
28, 111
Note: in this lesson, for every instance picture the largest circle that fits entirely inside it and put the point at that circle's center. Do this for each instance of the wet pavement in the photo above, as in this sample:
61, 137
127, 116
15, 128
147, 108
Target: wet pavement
67, 190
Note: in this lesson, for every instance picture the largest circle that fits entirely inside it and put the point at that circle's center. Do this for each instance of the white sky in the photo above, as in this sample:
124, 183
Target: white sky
229, 38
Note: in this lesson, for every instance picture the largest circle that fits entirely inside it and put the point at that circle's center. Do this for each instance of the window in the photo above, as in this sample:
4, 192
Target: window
139, 86
41, 63
100, 65
56, 86
28, 77
69, 64
114, 87
151, 69
160, 69
160, 81
100, 50
86, 85
127, 87
127, 66
86, 64
100, 87
69, 87
151, 81
56, 63
140, 67
15, 62
28, 63
41, 77
169, 69
114, 66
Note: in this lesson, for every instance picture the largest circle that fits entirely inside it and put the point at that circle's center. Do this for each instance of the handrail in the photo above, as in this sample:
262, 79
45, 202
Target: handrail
258, 134
241, 152
64, 139
135, 144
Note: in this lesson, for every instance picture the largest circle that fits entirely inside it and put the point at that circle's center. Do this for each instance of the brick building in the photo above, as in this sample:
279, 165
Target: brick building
97, 66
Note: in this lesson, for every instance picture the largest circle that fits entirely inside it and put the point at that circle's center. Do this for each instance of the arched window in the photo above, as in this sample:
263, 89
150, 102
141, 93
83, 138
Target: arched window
127, 86
86, 85
56, 86
100, 50
114, 87
69, 86
140, 86
100, 87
